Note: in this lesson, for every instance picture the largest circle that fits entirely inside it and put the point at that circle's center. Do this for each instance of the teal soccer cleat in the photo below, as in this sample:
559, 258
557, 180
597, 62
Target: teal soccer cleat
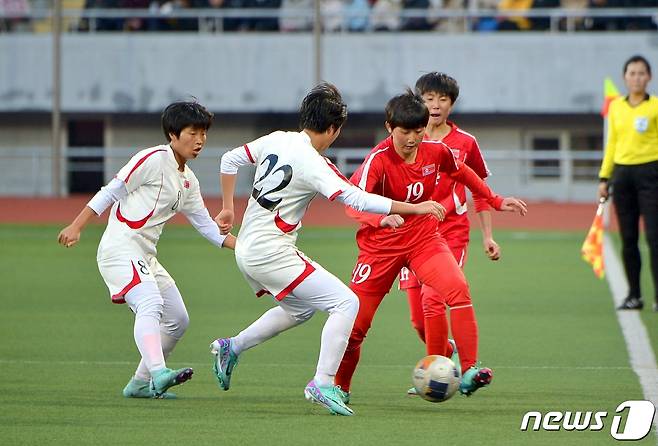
344, 396
136, 388
328, 397
166, 378
474, 378
225, 361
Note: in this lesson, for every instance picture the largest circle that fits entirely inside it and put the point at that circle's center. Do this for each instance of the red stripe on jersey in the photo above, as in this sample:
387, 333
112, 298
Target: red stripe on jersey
335, 169
251, 158
307, 272
136, 224
335, 194
140, 162
285, 227
133, 224
119, 297
262, 293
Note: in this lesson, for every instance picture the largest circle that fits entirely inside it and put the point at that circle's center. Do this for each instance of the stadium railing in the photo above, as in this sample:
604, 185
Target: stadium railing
560, 19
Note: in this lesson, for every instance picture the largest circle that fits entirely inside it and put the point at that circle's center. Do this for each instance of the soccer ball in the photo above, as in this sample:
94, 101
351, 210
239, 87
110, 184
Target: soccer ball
436, 378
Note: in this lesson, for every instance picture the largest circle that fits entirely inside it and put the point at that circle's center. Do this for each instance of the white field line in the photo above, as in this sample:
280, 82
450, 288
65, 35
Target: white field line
641, 354
379, 366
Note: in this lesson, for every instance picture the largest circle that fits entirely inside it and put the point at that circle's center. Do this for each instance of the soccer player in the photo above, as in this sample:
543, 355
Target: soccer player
404, 167
154, 185
439, 92
290, 171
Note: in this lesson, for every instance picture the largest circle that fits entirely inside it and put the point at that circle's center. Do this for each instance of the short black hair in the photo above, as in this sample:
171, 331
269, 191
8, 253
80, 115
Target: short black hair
179, 115
407, 110
322, 108
436, 82
637, 58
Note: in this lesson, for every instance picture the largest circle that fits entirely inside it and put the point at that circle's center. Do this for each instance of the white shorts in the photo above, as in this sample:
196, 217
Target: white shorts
123, 272
300, 286
279, 276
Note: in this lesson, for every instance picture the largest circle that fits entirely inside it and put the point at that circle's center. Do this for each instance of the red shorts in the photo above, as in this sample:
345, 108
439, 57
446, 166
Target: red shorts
459, 249
376, 274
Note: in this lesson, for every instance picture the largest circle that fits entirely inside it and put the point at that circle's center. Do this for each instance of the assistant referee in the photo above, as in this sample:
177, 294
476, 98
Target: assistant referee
630, 166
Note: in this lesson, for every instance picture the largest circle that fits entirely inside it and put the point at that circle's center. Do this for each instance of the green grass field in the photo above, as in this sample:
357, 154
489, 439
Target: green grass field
547, 328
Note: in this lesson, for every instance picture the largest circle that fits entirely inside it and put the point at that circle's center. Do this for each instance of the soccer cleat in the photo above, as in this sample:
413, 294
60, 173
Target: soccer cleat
166, 378
136, 388
474, 378
631, 303
412, 391
329, 397
344, 396
225, 361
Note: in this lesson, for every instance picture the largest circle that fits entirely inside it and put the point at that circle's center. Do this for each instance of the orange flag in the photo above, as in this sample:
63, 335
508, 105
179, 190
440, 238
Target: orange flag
610, 92
592, 249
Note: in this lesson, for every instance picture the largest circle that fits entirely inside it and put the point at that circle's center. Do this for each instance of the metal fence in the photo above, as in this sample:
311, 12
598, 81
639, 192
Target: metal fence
565, 175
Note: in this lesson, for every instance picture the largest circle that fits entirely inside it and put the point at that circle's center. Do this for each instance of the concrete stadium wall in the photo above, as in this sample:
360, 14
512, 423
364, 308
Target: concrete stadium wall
507, 72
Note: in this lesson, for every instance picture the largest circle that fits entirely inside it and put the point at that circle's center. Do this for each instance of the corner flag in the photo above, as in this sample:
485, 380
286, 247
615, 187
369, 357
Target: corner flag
592, 249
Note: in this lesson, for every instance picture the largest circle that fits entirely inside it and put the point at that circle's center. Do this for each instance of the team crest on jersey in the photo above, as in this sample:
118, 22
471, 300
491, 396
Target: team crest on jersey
429, 170
186, 184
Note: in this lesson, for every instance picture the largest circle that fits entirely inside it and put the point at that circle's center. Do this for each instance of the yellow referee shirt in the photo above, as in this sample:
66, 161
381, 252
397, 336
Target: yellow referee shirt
632, 134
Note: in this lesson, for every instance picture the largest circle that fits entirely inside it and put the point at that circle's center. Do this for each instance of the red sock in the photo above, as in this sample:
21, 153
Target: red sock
416, 311
465, 331
449, 350
436, 335
347, 367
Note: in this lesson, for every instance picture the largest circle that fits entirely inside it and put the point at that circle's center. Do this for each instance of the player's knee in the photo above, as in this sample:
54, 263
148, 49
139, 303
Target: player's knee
177, 326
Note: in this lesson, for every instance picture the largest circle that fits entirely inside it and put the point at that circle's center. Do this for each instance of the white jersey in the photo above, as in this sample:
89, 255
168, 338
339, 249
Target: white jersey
156, 191
289, 173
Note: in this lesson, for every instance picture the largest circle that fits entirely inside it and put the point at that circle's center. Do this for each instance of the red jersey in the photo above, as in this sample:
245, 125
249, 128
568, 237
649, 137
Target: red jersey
452, 194
385, 173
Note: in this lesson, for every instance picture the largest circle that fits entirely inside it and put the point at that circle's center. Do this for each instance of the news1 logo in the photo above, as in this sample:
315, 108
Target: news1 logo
638, 417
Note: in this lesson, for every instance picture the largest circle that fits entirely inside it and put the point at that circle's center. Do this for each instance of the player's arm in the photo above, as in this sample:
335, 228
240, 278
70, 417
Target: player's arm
471, 180
114, 191
228, 172
607, 166
363, 201
207, 227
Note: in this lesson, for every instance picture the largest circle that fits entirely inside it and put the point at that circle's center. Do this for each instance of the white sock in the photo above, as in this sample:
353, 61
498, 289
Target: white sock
149, 342
168, 344
270, 324
335, 334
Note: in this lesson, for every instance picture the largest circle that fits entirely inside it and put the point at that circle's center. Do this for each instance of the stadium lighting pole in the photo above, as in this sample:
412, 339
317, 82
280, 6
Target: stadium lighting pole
56, 89
317, 42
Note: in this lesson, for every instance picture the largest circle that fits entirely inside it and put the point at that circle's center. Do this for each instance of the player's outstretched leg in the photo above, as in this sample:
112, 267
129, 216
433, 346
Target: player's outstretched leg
165, 378
328, 397
474, 378
137, 388
224, 361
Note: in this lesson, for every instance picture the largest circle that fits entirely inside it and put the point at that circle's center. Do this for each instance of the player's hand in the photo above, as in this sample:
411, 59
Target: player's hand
69, 236
511, 204
392, 221
603, 190
225, 221
432, 207
491, 249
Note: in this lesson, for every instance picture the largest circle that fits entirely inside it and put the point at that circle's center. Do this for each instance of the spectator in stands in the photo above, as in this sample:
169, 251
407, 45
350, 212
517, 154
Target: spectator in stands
332, 15
136, 23
101, 23
605, 23
357, 14
385, 15
168, 7
640, 23
264, 23
294, 21
514, 23
18, 8
543, 23
417, 23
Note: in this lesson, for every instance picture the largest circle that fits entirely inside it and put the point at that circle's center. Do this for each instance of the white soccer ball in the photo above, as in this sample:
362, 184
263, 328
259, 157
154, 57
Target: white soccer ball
436, 378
